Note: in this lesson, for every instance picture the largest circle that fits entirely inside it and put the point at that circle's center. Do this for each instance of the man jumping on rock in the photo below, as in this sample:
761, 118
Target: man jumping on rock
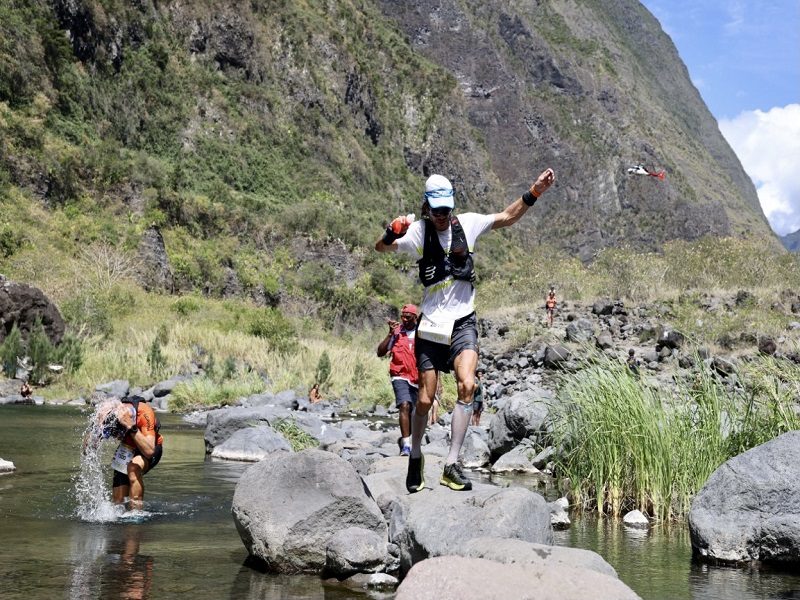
447, 334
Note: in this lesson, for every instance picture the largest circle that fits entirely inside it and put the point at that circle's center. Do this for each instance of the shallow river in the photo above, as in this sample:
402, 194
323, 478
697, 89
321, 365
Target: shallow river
188, 546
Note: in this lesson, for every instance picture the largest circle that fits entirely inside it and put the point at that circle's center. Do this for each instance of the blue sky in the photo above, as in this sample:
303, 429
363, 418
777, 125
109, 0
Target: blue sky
744, 58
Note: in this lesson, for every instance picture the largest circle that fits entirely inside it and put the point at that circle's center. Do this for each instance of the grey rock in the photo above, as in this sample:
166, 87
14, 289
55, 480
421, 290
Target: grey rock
262, 399
288, 506
118, 388
24, 306
252, 444
475, 451
580, 331
524, 415
556, 356
604, 340
602, 306
530, 554
163, 388
222, 423
479, 578
517, 460
749, 509
153, 269
636, 518
355, 550
439, 522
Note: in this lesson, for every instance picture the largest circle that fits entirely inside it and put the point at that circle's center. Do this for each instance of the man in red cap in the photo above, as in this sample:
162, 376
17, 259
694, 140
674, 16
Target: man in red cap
403, 369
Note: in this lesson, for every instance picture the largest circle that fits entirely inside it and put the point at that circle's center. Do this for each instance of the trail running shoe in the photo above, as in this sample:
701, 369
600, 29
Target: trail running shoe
454, 478
415, 479
406, 451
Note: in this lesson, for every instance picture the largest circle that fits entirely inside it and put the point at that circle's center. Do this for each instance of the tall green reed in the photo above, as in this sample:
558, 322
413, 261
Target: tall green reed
625, 443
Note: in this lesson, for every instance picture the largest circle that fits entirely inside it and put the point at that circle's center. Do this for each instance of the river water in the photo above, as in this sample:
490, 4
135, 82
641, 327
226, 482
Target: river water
187, 545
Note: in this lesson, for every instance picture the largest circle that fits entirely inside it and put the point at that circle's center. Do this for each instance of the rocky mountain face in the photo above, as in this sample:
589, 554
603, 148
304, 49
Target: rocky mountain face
791, 241
322, 118
590, 88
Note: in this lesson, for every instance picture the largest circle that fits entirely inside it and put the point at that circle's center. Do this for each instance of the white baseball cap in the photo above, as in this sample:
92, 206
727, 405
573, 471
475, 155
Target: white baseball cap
439, 192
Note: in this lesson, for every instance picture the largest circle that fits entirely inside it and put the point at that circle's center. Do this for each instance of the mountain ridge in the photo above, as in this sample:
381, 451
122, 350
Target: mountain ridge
237, 128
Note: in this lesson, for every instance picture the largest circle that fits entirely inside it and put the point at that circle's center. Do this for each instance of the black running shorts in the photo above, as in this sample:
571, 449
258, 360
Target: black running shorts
431, 355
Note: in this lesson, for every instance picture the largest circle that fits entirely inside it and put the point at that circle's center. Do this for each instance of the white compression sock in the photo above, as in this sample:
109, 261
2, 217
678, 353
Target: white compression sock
458, 430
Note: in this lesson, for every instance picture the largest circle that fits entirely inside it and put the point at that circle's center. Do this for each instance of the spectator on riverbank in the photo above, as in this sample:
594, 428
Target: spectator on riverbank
313, 394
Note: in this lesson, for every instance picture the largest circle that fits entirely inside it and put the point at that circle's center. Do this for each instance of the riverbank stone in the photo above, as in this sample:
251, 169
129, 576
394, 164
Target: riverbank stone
479, 578
438, 521
288, 506
749, 509
524, 415
252, 444
355, 550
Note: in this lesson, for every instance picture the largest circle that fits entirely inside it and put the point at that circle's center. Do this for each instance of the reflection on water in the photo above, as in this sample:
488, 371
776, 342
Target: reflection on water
109, 564
189, 546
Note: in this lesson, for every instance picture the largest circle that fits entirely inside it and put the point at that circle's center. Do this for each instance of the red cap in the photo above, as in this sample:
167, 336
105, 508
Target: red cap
409, 308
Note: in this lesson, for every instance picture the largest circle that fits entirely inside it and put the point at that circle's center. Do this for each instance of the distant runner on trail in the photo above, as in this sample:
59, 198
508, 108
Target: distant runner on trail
447, 334
550, 305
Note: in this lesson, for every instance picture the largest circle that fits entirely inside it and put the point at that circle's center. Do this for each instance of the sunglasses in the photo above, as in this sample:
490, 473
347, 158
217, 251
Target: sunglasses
441, 212
408, 316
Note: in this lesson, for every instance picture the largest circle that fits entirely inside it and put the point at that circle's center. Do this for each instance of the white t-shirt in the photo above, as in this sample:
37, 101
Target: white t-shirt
449, 299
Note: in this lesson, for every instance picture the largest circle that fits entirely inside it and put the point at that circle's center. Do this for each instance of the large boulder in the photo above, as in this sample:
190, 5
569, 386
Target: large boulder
438, 521
479, 578
23, 305
524, 415
288, 506
749, 509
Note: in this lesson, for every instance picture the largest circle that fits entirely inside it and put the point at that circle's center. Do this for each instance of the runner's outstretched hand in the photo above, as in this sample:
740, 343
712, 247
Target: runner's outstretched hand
543, 182
400, 225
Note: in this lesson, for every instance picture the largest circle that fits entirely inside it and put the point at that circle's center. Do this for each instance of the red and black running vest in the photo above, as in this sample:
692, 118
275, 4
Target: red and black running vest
435, 264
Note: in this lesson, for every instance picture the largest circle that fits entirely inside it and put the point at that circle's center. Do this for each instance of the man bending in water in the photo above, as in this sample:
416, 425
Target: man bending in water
134, 423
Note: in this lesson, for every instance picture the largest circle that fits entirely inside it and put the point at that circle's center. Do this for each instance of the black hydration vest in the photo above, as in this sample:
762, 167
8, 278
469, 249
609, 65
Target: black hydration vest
435, 265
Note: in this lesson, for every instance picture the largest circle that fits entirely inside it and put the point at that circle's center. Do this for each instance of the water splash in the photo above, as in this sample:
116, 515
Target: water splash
92, 484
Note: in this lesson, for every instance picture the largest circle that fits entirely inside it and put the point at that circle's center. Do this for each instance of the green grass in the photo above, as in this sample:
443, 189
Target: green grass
297, 438
628, 445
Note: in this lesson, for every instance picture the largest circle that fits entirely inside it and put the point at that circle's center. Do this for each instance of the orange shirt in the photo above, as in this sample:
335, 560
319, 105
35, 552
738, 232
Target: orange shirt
551, 301
146, 422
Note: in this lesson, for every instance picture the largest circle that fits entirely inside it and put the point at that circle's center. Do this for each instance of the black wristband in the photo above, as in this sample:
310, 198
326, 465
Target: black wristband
390, 236
528, 198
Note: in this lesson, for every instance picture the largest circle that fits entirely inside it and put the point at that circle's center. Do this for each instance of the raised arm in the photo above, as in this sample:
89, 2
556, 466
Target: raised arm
383, 347
395, 230
520, 206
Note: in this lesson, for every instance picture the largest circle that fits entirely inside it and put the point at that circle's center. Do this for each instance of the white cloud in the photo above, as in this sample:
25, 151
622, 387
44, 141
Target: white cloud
735, 22
768, 145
